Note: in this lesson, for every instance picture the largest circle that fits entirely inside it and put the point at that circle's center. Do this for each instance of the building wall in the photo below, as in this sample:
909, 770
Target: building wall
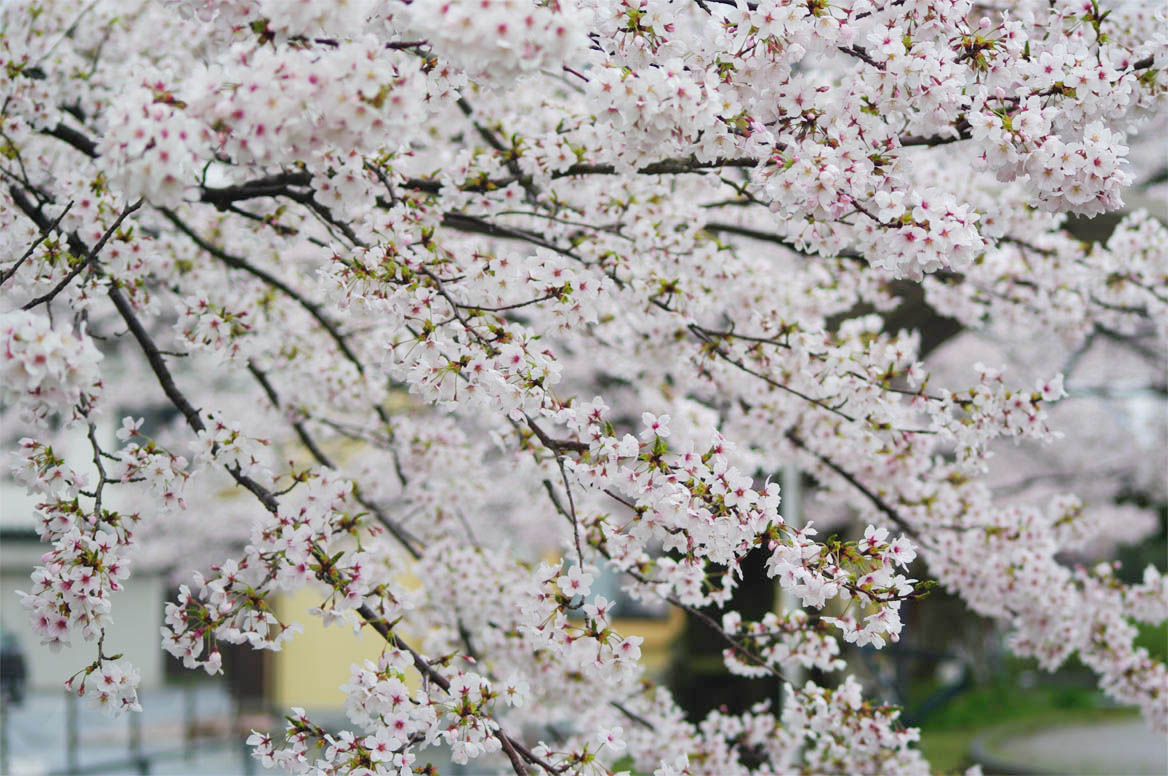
135, 632
137, 610
310, 669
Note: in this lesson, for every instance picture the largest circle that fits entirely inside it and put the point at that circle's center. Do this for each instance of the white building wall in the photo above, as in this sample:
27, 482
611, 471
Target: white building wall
135, 630
137, 610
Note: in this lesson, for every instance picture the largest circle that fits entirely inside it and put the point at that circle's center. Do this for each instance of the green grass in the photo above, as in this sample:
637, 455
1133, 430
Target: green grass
946, 750
1002, 702
1154, 638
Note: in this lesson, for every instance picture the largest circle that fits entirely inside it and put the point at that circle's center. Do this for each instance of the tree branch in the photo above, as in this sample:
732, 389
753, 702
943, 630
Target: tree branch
90, 258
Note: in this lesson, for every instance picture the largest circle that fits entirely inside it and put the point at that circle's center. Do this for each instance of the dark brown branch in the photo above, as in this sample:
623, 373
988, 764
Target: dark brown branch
860, 53
237, 262
678, 166
270, 186
398, 533
89, 260
516, 763
571, 510
632, 716
298, 426
4, 277
74, 138
506, 307
308, 200
771, 237
702, 335
964, 132
102, 477
463, 222
876, 500
155, 359
266, 497
557, 446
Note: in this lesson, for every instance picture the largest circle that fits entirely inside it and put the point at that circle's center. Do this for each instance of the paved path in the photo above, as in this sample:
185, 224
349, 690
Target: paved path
1127, 748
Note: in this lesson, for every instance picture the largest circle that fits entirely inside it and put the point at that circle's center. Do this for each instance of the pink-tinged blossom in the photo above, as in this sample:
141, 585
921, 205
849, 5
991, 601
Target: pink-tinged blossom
45, 369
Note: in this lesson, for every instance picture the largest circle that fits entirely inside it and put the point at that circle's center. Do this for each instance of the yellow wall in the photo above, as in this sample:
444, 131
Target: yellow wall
658, 635
310, 669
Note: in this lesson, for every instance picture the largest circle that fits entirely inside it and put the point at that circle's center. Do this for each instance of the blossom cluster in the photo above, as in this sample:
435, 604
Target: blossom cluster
378, 698
791, 640
287, 552
109, 685
1083, 176
89, 560
497, 40
46, 369
816, 723
72, 591
268, 109
700, 504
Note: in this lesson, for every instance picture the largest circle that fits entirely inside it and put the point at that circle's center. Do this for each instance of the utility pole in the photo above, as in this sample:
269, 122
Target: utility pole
791, 508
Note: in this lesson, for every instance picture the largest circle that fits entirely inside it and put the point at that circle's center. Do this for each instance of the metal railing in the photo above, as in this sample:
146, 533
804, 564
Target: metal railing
218, 731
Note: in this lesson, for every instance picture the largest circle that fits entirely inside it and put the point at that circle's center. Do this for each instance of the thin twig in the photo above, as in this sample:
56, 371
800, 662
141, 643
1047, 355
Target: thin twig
90, 258
876, 500
4, 277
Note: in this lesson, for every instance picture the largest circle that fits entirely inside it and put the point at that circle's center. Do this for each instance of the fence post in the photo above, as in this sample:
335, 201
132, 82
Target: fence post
188, 721
140, 762
248, 760
237, 730
72, 734
3, 734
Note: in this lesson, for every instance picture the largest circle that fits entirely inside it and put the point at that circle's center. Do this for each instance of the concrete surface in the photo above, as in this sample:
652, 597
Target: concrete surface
1122, 748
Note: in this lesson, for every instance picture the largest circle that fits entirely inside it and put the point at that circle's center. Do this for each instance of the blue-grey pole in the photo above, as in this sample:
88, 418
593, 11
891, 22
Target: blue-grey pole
72, 734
